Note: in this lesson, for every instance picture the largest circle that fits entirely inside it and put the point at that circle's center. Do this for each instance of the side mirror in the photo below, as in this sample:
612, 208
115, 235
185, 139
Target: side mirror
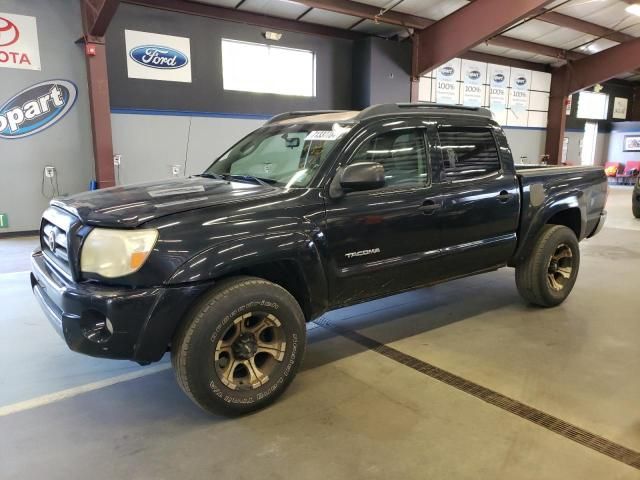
362, 176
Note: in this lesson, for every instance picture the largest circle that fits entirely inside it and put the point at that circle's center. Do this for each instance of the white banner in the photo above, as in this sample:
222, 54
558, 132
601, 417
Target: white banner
19, 42
474, 76
498, 82
154, 56
447, 77
519, 97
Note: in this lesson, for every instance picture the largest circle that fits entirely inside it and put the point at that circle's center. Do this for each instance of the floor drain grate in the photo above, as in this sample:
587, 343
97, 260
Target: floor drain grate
555, 424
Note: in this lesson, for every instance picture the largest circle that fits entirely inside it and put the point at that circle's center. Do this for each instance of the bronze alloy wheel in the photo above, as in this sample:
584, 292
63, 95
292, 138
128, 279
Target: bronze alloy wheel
560, 267
251, 349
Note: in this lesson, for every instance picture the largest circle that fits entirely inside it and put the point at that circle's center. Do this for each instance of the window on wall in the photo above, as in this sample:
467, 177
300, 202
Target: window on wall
592, 105
262, 68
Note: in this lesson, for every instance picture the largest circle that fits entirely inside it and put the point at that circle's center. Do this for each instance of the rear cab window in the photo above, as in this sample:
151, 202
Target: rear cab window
468, 152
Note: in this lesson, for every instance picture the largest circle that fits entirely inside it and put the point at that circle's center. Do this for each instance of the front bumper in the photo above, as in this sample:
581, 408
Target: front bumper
112, 322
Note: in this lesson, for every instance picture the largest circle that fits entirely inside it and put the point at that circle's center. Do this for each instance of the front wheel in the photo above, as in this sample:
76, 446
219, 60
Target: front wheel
547, 277
241, 346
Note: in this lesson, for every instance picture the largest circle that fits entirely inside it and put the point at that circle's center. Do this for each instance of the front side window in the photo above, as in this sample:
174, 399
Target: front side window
285, 155
402, 153
468, 152
262, 68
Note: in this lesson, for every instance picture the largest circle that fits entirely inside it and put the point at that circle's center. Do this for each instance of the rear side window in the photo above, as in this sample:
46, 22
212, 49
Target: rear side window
468, 152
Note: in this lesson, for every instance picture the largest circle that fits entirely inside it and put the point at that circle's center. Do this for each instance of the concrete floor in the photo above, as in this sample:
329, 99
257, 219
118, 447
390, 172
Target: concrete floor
352, 412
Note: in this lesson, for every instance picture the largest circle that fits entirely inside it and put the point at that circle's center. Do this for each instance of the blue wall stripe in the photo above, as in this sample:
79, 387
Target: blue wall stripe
188, 113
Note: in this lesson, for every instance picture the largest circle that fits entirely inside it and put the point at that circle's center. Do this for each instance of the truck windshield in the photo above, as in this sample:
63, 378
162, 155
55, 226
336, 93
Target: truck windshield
288, 155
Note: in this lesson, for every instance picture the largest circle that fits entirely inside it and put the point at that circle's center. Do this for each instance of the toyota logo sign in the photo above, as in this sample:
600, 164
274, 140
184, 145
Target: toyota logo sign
9, 33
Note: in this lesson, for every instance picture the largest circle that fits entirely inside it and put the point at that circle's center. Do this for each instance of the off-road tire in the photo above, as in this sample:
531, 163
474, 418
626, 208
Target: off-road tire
532, 275
196, 345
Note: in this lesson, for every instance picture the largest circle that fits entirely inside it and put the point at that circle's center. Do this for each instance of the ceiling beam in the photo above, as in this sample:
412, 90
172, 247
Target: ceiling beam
466, 27
583, 26
243, 16
357, 9
602, 66
97, 15
507, 62
537, 48
370, 12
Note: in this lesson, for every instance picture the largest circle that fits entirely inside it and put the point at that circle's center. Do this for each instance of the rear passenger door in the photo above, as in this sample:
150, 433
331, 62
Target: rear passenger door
480, 199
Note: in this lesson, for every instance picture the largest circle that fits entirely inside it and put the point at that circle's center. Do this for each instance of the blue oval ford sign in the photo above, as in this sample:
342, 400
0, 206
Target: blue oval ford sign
36, 108
157, 56
447, 71
473, 74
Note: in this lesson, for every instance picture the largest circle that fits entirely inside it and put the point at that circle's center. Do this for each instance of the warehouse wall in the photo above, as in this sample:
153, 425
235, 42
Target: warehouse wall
67, 143
159, 124
526, 142
615, 150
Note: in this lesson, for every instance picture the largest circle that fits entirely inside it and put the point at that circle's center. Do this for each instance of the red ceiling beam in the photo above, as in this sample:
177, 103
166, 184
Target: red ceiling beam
583, 26
98, 15
242, 16
371, 12
537, 48
509, 62
468, 26
604, 65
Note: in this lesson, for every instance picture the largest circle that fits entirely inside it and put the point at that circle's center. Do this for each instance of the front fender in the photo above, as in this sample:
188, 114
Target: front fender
301, 249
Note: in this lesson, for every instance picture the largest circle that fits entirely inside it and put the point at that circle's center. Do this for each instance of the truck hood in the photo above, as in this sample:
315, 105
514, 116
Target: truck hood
133, 205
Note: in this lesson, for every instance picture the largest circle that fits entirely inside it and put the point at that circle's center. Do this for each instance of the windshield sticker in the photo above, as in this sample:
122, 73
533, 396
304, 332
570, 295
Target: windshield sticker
326, 135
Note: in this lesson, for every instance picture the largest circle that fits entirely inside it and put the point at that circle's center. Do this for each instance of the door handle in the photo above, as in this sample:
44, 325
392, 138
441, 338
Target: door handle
504, 196
429, 207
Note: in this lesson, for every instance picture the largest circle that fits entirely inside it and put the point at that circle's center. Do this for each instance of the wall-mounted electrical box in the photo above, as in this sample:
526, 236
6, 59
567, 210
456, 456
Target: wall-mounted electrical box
175, 170
49, 171
116, 160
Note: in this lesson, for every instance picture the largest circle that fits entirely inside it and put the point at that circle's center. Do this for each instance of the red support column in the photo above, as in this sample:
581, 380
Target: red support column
557, 117
100, 115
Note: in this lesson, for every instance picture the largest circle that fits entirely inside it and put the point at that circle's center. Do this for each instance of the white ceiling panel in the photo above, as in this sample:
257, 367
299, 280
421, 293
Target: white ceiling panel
565, 38
330, 19
433, 9
220, 3
382, 29
276, 8
612, 16
583, 8
531, 30
491, 49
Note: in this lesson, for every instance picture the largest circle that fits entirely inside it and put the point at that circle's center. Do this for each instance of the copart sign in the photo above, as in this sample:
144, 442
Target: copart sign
19, 42
36, 108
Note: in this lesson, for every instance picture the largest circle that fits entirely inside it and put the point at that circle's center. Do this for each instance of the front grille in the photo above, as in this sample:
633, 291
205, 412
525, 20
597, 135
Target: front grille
56, 240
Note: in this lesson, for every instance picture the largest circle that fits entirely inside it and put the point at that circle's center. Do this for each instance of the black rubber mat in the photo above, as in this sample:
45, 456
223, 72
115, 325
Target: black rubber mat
555, 424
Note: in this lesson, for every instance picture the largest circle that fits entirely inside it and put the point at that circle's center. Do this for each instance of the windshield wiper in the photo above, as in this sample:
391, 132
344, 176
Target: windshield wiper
209, 175
262, 181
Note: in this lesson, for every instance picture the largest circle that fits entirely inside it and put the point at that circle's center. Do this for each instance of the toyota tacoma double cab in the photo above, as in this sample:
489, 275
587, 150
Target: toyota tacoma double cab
311, 212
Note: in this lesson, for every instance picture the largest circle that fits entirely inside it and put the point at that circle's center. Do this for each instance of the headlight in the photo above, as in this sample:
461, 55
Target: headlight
114, 253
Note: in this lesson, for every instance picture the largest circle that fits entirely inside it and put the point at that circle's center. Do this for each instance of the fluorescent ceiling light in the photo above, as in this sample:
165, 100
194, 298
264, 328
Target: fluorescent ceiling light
633, 9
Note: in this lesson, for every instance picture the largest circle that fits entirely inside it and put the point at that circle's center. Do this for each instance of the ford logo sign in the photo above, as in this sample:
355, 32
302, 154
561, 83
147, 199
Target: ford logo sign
498, 78
447, 71
36, 108
521, 81
157, 56
473, 74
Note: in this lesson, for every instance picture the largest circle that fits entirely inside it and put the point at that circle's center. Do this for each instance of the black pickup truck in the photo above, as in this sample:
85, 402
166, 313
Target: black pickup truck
311, 212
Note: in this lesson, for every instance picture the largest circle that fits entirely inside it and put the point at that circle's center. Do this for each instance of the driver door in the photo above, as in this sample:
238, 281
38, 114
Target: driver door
386, 240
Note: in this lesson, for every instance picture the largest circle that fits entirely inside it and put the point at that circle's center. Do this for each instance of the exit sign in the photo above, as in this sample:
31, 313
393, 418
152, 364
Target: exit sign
4, 220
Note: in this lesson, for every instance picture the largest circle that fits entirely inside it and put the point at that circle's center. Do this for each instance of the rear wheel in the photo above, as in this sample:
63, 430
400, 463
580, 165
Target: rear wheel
636, 208
547, 277
241, 346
